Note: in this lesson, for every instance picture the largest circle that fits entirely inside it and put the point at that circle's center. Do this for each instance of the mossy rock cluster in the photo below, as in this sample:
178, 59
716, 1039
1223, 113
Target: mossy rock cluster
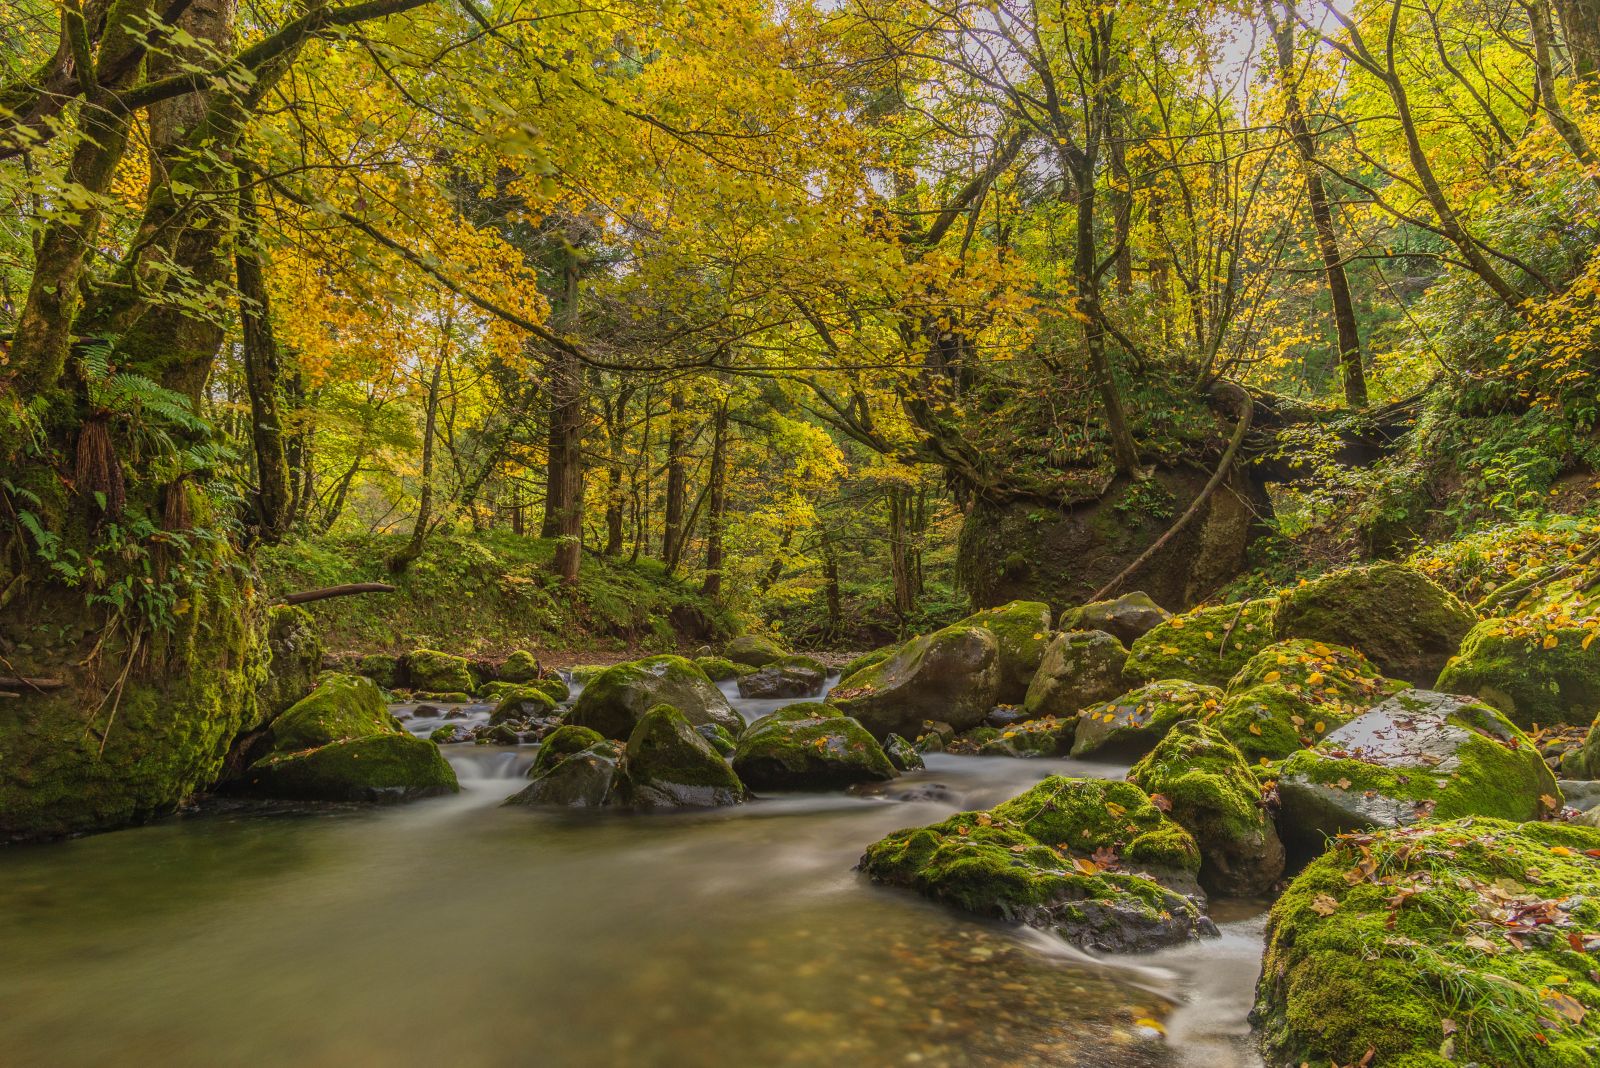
430, 671
667, 764
809, 746
1206, 645
523, 704
381, 668
520, 666
951, 675
342, 706
1452, 943
294, 657
1127, 618
1207, 788
1092, 860
614, 701
785, 677
720, 668
1022, 631
1078, 669
1046, 737
1134, 722
574, 768
1534, 674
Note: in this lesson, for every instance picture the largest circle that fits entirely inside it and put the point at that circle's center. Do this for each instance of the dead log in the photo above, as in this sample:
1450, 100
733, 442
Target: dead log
347, 590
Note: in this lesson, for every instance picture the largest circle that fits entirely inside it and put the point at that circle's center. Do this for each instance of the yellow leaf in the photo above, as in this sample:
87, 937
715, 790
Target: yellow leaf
1324, 905
1551, 641
1272, 676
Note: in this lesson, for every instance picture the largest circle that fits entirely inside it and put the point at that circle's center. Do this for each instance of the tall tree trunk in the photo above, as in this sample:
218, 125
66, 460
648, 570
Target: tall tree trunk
419, 530
1086, 277
563, 502
717, 510
672, 532
1580, 22
273, 497
1344, 312
900, 564
830, 578
1549, 96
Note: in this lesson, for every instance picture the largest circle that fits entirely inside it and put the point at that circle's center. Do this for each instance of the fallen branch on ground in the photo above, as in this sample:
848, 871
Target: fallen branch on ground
346, 590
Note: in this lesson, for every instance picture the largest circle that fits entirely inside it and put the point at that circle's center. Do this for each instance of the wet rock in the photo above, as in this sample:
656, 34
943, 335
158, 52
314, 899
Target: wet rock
450, 734
295, 657
1532, 673
615, 700
753, 650
1208, 789
380, 767
1416, 757
1092, 860
1581, 794
721, 669
821, 751
668, 765
1132, 724
1078, 669
950, 675
789, 676
434, 672
1003, 716
719, 737
1371, 950
1046, 737
575, 768
1022, 632
1394, 614
1206, 645
902, 754
342, 706
1126, 618
523, 704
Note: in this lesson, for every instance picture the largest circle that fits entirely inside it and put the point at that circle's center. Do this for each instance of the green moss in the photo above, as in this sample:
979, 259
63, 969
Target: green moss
493, 691
1022, 630
559, 744
721, 669
1405, 622
342, 706
1381, 961
526, 702
1077, 669
520, 666
295, 657
381, 668
1084, 815
1140, 718
754, 650
1270, 722
866, 660
823, 753
613, 701
720, 738
383, 767
1534, 674
668, 764
554, 688
435, 672
1032, 738
1206, 645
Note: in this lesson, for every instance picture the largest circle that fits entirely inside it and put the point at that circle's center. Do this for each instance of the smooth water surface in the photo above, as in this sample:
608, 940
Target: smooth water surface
453, 931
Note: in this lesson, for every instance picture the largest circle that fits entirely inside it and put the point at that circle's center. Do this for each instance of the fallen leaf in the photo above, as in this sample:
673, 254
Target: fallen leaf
1323, 905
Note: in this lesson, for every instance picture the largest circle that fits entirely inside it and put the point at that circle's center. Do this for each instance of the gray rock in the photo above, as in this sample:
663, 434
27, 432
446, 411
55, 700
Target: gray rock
1127, 618
951, 675
668, 765
1079, 668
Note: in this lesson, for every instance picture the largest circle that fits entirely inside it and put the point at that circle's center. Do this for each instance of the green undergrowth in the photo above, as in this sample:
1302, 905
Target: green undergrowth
487, 593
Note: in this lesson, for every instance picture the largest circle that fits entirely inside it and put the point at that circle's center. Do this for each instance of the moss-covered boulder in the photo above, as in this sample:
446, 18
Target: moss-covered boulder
754, 650
902, 754
668, 765
721, 739
788, 676
826, 751
1418, 756
1206, 645
1046, 737
378, 767
583, 674
951, 675
1468, 942
1078, 669
864, 661
523, 704
574, 768
615, 700
1132, 724
1022, 631
1092, 860
295, 655
1205, 785
1583, 761
520, 666
431, 671
1291, 693
342, 706
554, 687
720, 668
1127, 618
1397, 616
1534, 674
381, 668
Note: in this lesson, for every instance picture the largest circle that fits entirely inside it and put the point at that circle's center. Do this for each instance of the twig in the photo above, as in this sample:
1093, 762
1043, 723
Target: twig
22, 682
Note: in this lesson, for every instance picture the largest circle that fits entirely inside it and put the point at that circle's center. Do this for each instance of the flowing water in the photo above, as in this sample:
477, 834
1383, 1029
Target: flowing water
454, 931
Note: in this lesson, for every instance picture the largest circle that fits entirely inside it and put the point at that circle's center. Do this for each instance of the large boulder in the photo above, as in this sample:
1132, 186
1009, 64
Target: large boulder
616, 699
1418, 756
789, 676
342, 706
1397, 616
378, 767
574, 768
522, 704
668, 764
1207, 788
1460, 943
1291, 693
1077, 670
296, 655
1132, 724
520, 666
1207, 645
951, 675
1022, 631
434, 672
753, 650
1092, 860
809, 747
1536, 675
1127, 618
866, 660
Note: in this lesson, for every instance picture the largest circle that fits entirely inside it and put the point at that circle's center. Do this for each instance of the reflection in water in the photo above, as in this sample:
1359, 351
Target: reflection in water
454, 931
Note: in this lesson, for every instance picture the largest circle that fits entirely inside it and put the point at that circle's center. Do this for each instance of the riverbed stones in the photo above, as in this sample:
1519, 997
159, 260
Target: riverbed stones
754, 650
809, 747
296, 656
1207, 788
1206, 645
1132, 723
342, 706
1092, 860
1022, 632
668, 765
1078, 669
431, 671
379, 767
951, 675
1418, 756
523, 704
616, 699
1127, 618
1455, 943
574, 768
1533, 673
902, 754
1394, 614
789, 676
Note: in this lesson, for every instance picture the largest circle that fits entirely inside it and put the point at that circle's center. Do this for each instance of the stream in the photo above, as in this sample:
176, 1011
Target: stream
454, 931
